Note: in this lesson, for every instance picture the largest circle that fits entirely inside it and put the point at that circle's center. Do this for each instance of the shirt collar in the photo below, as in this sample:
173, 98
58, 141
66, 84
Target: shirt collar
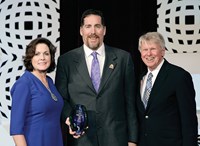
100, 50
157, 69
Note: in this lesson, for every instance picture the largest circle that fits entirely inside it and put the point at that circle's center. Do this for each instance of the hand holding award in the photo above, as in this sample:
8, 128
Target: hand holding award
78, 119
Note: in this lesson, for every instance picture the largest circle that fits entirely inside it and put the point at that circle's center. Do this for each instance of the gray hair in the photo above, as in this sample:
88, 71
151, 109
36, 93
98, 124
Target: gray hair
154, 37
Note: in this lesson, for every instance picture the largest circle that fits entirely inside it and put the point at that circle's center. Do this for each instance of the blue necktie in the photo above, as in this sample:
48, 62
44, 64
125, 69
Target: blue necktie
95, 72
147, 90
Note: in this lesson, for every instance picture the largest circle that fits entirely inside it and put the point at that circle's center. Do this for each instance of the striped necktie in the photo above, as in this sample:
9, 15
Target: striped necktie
147, 90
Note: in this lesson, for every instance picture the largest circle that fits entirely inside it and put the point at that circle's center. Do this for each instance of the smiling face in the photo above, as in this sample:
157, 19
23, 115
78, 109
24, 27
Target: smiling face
93, 31
42, 58
151, 53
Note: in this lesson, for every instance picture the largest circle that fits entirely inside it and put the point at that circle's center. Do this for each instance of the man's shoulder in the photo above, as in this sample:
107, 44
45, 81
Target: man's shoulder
71, 53
117, 50
176, 69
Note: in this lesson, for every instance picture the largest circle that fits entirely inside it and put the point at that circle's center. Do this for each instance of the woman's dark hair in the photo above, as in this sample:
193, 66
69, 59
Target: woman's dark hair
30, 52
92, 12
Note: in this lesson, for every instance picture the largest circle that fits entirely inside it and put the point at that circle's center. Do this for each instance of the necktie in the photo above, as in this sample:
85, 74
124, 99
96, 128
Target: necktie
95, 71
147, 90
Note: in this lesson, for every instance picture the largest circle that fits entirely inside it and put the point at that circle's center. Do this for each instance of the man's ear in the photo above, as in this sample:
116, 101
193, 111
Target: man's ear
81, 31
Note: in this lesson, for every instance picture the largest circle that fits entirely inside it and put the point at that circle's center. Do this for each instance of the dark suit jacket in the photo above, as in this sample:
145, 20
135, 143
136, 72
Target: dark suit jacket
170, 117
111, 112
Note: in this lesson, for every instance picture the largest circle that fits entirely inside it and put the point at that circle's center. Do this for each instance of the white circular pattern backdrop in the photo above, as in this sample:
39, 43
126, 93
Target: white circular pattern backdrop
179, 22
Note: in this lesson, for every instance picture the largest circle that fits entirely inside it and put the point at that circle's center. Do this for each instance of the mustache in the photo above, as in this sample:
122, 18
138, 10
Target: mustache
93, 36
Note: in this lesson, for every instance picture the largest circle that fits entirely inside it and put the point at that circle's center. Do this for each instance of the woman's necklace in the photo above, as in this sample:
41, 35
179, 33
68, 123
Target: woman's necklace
52, 95
45, 83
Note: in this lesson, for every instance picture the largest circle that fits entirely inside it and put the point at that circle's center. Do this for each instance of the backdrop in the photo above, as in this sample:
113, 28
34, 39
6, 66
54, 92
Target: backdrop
21, 21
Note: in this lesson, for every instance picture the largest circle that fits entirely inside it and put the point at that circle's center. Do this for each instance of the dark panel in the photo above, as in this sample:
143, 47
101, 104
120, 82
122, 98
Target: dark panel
125, 21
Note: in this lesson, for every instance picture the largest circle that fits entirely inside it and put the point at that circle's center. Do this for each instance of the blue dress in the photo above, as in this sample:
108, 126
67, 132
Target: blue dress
34, 113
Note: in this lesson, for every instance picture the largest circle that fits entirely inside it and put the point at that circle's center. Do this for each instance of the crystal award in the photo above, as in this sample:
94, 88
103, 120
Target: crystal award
78, 119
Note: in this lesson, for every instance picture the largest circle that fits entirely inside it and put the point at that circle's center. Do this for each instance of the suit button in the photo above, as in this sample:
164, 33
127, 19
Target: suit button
146, 117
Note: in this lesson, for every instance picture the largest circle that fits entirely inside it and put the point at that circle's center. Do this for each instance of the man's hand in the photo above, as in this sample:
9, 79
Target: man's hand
70, 130
131, 144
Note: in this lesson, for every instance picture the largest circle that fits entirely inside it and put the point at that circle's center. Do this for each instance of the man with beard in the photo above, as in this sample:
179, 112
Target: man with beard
110, 99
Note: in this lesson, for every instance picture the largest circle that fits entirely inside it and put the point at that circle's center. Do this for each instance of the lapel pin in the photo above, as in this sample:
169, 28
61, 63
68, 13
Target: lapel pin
111, 66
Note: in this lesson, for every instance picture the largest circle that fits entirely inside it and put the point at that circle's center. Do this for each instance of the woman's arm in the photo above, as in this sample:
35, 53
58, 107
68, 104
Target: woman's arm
19, 140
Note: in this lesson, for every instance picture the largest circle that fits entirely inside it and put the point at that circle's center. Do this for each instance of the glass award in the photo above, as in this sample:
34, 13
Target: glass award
78, 119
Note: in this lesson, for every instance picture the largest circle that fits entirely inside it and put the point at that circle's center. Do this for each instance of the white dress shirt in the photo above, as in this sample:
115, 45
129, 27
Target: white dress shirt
89, 57
155, 73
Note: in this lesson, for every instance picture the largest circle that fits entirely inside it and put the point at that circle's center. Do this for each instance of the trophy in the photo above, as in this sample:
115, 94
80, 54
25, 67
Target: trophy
78, 119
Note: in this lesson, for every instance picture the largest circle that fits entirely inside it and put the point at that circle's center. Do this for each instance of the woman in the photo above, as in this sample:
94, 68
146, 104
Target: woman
36, 103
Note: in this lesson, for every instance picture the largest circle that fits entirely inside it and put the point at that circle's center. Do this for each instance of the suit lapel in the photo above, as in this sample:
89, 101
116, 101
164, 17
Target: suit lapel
109, 66
82, 69
141, 105
159, 81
